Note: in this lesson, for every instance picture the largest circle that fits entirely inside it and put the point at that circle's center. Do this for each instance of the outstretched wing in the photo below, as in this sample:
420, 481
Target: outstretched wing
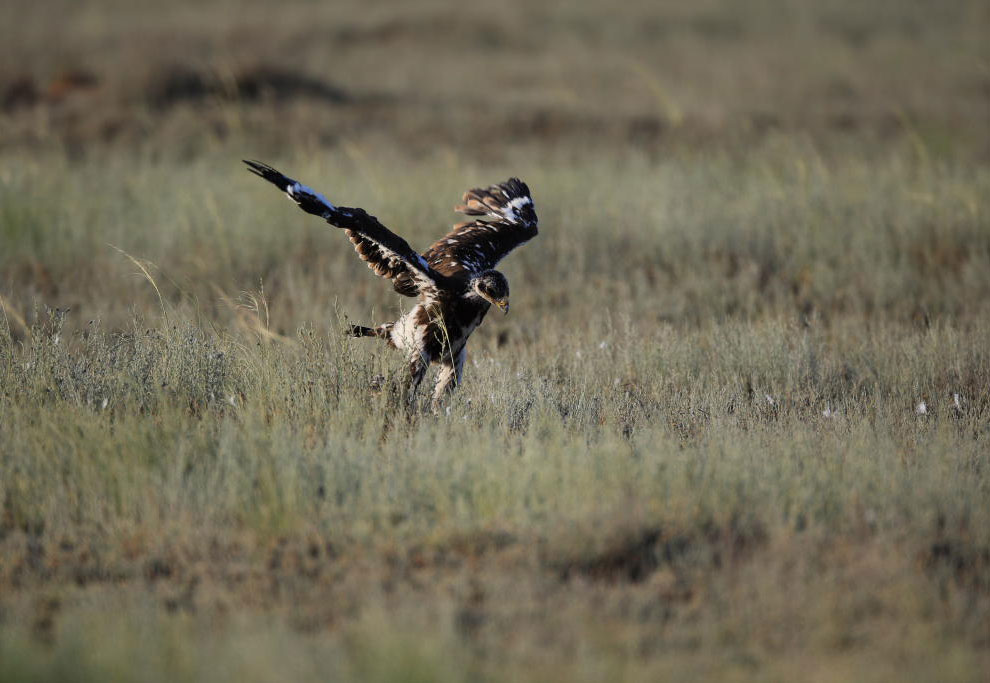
479, 245
386, 253
508, 202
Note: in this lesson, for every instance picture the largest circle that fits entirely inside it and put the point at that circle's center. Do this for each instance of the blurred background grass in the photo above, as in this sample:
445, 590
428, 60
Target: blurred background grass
735, 426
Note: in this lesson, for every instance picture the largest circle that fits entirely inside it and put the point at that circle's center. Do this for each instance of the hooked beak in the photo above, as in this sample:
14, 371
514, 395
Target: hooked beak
503, 305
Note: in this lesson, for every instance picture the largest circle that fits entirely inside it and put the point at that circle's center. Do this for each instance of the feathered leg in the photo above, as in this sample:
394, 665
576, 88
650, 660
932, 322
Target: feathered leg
417, 371
448, 378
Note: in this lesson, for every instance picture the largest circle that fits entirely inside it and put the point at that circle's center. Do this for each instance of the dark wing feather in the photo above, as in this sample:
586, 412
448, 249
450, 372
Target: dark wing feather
472, 248
386, 253
508, 202
479, 245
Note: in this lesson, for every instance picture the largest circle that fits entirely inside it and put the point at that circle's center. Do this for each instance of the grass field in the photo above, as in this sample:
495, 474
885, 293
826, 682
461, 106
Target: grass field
735, 427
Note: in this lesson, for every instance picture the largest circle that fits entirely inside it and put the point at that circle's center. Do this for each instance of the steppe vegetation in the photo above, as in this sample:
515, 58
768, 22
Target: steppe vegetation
735, 427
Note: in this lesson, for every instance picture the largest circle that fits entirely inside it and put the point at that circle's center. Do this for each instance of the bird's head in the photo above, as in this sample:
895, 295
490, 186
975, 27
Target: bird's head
492, 286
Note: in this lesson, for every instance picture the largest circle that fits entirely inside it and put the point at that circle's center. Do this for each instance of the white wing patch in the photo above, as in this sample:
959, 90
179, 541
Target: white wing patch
509, 210
297, 190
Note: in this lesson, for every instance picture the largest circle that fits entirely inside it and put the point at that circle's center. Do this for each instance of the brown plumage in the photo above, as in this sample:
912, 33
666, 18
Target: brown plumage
454, 279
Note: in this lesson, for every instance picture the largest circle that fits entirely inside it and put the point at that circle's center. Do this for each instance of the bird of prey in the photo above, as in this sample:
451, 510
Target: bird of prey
454, 280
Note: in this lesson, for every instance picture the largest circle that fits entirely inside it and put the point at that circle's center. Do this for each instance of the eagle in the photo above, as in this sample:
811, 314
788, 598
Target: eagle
454, 281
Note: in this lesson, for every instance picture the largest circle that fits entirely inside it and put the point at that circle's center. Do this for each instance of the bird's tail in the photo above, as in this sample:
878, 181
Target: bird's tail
382, 331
